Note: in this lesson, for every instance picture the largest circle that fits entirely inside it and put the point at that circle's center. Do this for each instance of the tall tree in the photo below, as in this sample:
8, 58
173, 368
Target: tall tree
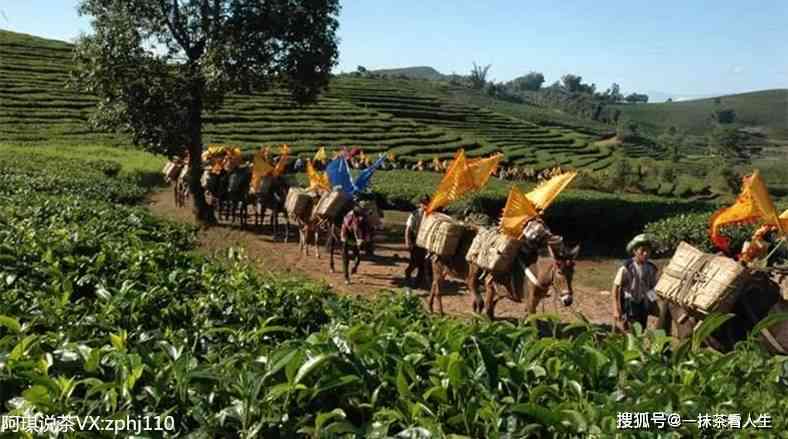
613, 94
571, 82
158, 65
479, 76
530, 82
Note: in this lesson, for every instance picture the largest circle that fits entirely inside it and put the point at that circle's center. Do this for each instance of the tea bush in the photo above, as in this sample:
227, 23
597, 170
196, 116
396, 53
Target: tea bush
94, 179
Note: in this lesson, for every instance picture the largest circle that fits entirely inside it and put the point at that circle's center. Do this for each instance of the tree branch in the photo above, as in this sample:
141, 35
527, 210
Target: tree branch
217, 16
204, 18
182, 39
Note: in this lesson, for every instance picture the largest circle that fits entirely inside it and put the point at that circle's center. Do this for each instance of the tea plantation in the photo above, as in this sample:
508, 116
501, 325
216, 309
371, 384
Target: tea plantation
415, 120
106, 311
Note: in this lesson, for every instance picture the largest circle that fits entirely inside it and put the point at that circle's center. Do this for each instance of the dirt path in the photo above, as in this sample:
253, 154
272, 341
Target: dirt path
386, 270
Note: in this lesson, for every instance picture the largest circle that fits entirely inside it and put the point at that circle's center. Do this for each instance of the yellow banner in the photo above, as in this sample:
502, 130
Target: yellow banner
784, 221
516, 213
462, 177
316, 180
482, 169
281, 166
320, 154
752, 204
260, 169
543, 195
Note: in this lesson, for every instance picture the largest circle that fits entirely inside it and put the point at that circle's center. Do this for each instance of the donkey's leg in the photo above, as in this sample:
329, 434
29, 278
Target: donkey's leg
256, 210
287, 227
346, 261
302, 240
435, 288
490, 299
330, 231
315, 230
477, 301
357, 257
439, 297
330, 245
273, 224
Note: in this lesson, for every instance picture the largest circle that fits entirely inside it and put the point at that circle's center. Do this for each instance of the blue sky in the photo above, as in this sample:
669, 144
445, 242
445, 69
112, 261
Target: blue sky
685, 47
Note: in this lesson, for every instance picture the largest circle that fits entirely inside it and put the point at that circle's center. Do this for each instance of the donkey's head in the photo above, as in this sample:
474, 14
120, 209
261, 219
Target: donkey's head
563, 270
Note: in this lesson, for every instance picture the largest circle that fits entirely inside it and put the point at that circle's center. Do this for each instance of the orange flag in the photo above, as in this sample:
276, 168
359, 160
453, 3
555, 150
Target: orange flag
462, 177
482, 169
752, 204
321, 154
546, 192
516, 213
281, 162
316, 180
260, 169
783, 224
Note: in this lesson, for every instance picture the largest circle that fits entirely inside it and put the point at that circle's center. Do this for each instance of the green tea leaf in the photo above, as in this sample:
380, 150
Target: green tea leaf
311, 364
11, 323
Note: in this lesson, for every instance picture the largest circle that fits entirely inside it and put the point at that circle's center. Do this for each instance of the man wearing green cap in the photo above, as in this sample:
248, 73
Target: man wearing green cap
633, 289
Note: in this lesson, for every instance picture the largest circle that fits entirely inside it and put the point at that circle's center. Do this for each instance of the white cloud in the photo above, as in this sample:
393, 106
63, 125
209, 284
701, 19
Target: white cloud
737, 69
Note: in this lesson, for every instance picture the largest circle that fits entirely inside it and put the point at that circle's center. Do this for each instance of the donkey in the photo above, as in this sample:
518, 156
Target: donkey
236, 198
271, 196
541, 278
181, 187
216, 185
760, 298
456, 267
528, 272
308, 227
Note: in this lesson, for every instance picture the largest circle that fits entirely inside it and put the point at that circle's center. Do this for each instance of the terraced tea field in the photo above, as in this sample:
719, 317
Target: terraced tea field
37, 107
523, 142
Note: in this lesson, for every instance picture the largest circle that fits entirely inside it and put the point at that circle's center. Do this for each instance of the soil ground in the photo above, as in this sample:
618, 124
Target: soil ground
385, 271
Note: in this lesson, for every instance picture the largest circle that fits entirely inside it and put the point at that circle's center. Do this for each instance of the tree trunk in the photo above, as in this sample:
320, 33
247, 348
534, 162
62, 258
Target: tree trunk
203, 212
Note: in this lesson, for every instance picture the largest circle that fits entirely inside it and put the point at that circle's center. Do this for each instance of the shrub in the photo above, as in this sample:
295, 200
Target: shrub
692, 228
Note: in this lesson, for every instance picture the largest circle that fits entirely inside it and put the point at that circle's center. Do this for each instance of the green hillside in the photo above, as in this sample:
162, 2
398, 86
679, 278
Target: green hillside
765, 110
419, 72
415, 119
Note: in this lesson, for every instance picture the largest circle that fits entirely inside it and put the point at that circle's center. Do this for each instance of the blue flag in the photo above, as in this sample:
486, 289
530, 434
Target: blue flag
338, 172
339, 175
362, 181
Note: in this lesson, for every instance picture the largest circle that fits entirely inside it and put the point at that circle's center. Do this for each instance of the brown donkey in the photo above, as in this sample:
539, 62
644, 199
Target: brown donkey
528, 274
539, 279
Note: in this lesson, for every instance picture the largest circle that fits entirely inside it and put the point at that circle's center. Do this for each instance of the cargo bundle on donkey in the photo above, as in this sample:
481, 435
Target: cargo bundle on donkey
749, 287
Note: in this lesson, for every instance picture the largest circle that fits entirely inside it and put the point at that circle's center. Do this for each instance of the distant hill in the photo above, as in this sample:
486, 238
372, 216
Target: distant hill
420, 72
765, 110
414, 119
658, 96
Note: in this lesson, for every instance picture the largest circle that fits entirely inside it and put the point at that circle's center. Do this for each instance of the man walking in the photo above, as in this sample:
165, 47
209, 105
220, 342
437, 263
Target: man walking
354, 235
